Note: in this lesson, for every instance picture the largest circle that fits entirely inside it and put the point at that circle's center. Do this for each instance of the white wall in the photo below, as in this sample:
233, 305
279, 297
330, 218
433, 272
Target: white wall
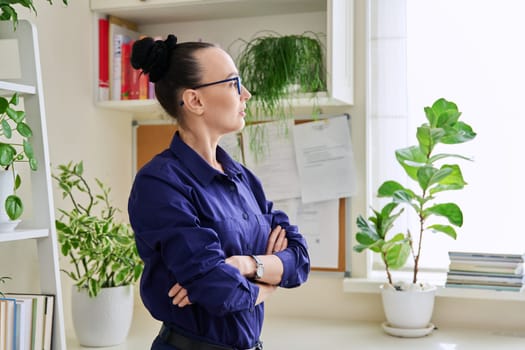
80, 131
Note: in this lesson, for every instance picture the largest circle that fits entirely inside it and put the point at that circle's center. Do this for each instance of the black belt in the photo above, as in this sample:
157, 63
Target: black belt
182, 342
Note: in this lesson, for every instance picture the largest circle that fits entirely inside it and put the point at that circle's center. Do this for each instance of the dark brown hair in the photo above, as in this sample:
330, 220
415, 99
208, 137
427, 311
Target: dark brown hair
171, 66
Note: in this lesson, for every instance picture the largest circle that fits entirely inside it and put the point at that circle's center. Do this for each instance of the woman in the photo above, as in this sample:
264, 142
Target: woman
213, 248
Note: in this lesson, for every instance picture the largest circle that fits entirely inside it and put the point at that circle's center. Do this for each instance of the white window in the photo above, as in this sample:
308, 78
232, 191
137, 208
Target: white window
471, 52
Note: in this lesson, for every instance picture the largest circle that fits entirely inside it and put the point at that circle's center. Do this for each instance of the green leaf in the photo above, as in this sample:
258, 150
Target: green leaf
458, 133
366, 239
446, 229
6, 128
453, 181
3, 105
396, 255
137, 271
14, 99
33, 164
428, 137
388, 188
428, 176
78, 169
14, 115
14, 207
411, 159
442, 113
7, 154
24, 129
451, 211
18, 181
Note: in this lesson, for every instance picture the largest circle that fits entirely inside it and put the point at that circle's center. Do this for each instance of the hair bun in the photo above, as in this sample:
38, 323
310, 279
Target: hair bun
153, 56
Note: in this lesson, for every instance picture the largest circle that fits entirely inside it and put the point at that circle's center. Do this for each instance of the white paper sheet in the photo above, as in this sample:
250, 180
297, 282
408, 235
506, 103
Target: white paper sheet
319, 223
325, 159
277, 168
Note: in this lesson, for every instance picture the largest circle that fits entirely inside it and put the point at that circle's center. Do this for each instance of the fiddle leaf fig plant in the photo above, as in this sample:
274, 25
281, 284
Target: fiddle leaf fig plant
101, 250
15, 147
431, 173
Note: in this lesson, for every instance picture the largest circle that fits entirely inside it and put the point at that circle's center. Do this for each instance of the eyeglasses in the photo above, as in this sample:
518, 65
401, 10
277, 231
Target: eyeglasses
236, 79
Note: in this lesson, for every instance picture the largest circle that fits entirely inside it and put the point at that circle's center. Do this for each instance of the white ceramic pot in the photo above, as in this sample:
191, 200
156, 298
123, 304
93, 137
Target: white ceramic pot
104, 320
410, 308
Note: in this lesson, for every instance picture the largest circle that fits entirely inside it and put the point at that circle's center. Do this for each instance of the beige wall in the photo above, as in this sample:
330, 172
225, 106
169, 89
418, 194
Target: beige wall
80, 131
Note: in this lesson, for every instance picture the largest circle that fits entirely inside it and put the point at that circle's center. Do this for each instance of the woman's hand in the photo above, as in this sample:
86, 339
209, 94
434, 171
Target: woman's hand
276, 241
179, 295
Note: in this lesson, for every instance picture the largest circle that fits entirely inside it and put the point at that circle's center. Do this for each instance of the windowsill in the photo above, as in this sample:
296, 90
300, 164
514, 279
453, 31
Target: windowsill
371, 285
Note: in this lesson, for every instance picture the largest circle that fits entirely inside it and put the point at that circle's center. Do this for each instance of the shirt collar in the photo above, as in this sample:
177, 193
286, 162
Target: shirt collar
202, 171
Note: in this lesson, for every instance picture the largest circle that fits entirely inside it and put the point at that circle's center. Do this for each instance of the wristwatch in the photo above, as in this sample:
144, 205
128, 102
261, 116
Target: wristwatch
259, 269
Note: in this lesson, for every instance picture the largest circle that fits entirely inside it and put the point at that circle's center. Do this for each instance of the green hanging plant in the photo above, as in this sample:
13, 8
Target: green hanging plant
275, 68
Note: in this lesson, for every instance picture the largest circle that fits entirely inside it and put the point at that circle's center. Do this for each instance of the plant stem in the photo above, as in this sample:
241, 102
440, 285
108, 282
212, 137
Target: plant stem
387, 269
421, 229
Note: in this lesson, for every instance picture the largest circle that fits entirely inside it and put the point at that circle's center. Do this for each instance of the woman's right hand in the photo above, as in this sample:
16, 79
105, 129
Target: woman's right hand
179, 295
276, 241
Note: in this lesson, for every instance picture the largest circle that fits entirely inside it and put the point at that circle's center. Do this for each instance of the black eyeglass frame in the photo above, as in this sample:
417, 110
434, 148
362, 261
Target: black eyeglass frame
237, 79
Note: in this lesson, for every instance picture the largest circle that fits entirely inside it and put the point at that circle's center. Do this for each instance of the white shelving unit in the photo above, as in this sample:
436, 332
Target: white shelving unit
40, 226
225, 21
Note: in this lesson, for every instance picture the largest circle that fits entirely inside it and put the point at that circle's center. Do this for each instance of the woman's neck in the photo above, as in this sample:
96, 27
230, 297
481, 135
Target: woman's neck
203, 144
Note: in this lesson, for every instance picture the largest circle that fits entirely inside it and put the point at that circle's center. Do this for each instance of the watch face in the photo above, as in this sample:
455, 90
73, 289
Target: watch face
260, 271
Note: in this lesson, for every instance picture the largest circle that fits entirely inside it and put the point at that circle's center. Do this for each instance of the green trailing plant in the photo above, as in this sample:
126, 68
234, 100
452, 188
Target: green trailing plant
13, 122
101, 250
3, 279
8, 11
15, 147
431, 176
276, 67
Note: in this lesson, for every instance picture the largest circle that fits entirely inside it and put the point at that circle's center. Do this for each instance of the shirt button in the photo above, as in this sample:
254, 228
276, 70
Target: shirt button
232, 188
245, 216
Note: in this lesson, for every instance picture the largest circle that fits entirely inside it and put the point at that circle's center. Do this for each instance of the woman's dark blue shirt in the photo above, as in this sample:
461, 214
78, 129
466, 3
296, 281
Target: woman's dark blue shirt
188, 218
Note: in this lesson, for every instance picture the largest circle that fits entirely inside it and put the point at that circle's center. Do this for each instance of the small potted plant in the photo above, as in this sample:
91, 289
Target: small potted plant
103, 257
15, 147
430, 175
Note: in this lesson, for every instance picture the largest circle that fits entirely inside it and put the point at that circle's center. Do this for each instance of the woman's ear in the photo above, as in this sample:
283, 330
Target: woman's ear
192, 101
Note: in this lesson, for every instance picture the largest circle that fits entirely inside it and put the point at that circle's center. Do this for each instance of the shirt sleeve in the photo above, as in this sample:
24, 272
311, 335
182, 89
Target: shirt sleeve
166, 223
295, 258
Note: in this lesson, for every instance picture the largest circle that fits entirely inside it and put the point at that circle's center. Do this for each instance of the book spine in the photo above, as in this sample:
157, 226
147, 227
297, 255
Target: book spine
118, 40
126, 80
103, 58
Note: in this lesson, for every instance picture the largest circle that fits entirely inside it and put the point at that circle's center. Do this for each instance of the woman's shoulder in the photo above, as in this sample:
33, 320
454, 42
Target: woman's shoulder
162, 165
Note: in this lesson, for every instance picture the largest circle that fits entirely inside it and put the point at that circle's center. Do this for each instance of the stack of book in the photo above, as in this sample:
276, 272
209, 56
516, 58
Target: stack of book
503, 272
26, 321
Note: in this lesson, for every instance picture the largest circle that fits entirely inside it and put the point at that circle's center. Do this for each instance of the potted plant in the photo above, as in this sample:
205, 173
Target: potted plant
276, 67
431, 176
103, 257
15, 147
